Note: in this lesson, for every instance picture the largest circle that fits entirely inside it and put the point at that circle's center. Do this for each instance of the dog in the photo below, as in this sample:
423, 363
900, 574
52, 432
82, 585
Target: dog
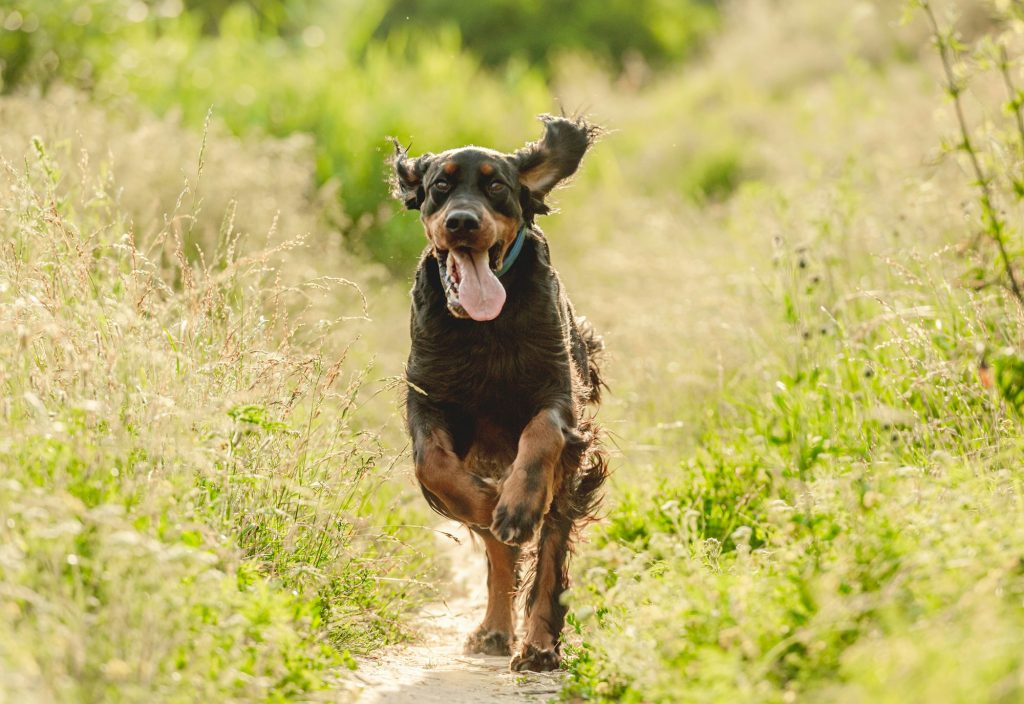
500, 374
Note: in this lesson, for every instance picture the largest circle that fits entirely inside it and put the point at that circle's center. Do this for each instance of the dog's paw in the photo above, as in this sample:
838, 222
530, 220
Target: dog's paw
484, 641
533, 659
515, 524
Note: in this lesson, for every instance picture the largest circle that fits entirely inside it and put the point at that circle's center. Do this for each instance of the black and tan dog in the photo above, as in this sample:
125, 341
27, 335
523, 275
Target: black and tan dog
500, 373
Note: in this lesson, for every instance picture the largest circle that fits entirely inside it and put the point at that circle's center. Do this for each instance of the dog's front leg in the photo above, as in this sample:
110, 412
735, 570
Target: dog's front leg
448, 486
526, 491
497, 633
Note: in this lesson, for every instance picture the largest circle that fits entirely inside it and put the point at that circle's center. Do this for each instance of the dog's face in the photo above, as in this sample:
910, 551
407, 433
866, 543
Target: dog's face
473, 201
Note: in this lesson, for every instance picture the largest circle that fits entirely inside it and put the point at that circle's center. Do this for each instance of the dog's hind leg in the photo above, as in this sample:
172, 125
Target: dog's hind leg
496, 634
545, 613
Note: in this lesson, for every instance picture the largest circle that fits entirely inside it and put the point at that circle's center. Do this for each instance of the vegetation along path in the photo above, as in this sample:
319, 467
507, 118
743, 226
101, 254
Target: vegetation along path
801, 247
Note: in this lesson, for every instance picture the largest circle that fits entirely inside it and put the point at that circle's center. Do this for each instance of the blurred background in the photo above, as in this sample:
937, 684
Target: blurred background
800, 238
349, 73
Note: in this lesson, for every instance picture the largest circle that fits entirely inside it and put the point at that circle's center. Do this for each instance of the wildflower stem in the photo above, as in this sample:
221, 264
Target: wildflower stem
1012, 93
993, 222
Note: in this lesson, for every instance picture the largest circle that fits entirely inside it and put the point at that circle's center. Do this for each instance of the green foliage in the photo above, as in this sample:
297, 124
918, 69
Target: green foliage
317, 68
713, 176
254, 416
348, 105
331, 81
1008, 366
273, 17
498, 31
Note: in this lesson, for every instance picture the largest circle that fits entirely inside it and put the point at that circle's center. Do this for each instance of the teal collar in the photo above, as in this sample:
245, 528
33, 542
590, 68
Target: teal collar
513, 252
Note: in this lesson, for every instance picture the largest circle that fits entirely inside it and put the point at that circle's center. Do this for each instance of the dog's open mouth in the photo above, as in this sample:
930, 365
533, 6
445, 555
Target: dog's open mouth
470, 283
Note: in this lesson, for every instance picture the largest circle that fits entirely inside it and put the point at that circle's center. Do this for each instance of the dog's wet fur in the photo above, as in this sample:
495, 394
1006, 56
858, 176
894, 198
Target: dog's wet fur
497, 406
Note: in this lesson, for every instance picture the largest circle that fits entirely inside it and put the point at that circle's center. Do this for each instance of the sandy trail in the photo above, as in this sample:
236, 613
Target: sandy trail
433, 668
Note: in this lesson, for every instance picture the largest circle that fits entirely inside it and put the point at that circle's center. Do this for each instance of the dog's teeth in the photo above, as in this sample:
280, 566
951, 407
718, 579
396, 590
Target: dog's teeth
453, 271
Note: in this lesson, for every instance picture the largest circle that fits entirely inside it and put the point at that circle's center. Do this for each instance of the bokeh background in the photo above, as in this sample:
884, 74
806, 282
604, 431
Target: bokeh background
347, 73
800, 238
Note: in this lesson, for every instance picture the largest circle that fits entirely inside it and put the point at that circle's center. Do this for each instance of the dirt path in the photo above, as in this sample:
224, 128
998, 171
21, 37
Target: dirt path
433, 670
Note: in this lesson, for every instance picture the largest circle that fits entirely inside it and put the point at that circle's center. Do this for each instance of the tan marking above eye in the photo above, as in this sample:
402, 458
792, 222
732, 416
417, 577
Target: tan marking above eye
486, 169
450, 168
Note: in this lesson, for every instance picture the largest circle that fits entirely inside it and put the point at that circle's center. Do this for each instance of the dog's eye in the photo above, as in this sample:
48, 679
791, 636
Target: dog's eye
442, 186
496, 187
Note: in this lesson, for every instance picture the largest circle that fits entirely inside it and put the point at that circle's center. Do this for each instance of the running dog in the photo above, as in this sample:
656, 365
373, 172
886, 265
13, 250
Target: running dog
500, 376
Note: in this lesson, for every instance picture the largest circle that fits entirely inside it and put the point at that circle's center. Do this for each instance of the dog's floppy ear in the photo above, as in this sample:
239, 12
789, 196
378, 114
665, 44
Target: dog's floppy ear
407, 180
553, 158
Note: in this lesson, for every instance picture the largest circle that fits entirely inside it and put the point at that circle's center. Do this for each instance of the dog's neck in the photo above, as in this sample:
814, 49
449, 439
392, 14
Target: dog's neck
513, 252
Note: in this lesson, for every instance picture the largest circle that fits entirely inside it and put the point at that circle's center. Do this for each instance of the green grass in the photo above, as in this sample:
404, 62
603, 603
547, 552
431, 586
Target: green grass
815, 364
186, 508
819, 497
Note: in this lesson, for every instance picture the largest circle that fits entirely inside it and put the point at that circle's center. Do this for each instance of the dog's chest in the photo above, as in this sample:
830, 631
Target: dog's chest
491, 374
506, 369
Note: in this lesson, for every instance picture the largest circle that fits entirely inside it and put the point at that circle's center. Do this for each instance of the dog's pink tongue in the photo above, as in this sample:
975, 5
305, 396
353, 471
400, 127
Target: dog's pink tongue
480, 292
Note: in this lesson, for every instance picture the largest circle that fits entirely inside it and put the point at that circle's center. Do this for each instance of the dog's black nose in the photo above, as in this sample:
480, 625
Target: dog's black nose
462, 221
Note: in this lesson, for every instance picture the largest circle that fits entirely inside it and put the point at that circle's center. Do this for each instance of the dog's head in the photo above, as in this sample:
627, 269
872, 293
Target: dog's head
474, 201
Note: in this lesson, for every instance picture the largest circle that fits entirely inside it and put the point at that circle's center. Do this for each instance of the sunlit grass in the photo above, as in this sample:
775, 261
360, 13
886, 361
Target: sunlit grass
187, 511
814, 402
818, 496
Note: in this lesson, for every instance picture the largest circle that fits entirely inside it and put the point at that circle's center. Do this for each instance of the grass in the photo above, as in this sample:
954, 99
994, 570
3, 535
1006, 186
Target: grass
818, 497
815, 370
187, 509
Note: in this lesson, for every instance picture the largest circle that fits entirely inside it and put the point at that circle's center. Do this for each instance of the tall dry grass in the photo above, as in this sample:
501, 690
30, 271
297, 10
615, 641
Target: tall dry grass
189, 511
